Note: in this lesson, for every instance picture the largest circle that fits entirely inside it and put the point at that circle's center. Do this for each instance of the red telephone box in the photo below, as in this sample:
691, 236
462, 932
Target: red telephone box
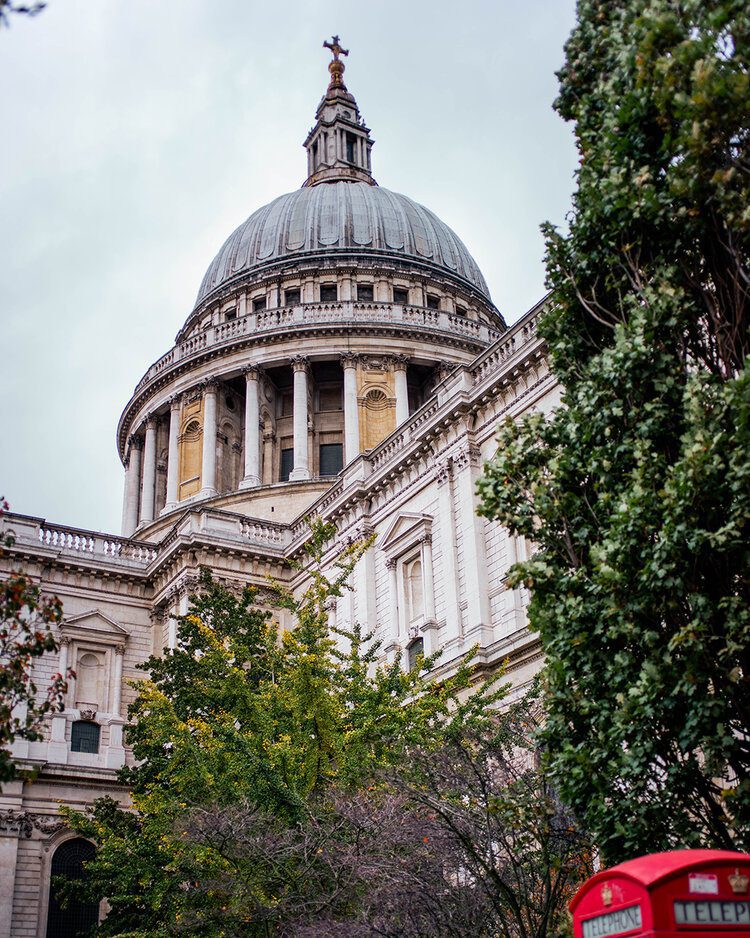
682, 893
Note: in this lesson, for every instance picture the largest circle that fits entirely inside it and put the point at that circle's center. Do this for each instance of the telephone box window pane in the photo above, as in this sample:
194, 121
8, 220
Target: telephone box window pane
331, 459
287, 463
84, 737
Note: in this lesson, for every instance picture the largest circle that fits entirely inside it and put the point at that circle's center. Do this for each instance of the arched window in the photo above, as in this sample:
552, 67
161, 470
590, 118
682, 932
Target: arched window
77, 918
84, 737
414, 651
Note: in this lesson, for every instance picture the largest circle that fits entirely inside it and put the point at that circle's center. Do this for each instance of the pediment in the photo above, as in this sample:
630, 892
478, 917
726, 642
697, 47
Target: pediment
404, 529
94, 623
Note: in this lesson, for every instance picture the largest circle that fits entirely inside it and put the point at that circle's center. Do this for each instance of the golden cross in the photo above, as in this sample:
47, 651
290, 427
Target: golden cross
335, 47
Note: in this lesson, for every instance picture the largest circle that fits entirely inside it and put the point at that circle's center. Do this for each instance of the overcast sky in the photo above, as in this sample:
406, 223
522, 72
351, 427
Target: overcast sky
138, 134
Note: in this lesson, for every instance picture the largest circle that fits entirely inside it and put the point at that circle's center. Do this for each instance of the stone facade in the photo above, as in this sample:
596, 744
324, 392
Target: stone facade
343, 358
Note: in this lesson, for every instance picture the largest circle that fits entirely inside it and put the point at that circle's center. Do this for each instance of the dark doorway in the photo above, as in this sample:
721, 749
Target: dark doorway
77, 918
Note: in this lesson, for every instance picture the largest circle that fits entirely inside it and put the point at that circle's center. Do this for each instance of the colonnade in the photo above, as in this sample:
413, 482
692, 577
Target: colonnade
139, 505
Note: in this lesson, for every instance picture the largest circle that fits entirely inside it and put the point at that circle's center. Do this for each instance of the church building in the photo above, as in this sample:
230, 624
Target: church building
343, 359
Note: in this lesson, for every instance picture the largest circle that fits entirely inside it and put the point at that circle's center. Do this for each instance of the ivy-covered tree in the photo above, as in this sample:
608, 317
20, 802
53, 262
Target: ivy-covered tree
27, 619
235, 717
637, 490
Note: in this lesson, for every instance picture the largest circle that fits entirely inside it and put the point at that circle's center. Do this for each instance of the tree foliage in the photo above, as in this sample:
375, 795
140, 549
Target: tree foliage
637, 491
26, 621
235, 719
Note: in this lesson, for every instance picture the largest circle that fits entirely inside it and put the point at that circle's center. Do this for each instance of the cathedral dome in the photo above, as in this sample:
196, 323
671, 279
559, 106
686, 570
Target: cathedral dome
340, 218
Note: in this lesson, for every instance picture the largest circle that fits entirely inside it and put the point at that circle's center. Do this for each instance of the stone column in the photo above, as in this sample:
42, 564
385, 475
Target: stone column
208, 464
117, 689
252, 428
149, 472
447, 531
351, 408
466, 464
132, 486
63, 659
430, 625
301, 464
402, 389
392, 645
173, 457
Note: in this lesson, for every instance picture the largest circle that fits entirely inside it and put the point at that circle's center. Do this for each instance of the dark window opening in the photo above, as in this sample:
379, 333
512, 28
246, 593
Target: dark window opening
230, 314
461, 310
315, 155
365, 292
433, 302
291, 297
415, 650
331, 459
287, 403
329, 293
400, 296
259, 305
84, 737
287, 464
351, 143
77, 918
330, 398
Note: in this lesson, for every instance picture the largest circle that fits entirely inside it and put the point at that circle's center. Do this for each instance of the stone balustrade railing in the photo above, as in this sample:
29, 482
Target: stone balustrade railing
312, 314
36, 532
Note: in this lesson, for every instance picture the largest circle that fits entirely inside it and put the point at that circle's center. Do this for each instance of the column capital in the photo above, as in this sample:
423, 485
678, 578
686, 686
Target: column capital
175, 401
252, 372
390, 563
150, 420
300, 363
119, 650
210, 385
65, 639
443, 471
135, 441
399, 362
350, 359
469, 455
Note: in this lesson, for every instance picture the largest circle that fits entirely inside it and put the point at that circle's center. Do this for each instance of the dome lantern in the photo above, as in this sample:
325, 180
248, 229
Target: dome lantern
339, 145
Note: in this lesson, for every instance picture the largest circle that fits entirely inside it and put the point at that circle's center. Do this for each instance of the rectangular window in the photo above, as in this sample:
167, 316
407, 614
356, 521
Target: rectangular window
259, 304
330, 398
291, 297
287, 464
329, 293
460, 310
287, 403
364, 292
350, 147
400, 296
230, 314
433, 302
331, 459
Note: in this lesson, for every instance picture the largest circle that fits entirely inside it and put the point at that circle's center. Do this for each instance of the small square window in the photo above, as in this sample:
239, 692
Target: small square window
364, 292
230, 314
291, 297
433, 302
84, 737
259, 304
400, 296
329, 293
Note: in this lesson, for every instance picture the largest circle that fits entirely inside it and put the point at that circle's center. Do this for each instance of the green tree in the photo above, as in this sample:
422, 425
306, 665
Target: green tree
637, 491
26, 621
235, 717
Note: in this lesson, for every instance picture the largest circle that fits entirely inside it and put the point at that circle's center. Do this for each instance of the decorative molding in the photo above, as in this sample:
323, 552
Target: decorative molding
24, 823
444, 471
300, 363
350, 359
88, 714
